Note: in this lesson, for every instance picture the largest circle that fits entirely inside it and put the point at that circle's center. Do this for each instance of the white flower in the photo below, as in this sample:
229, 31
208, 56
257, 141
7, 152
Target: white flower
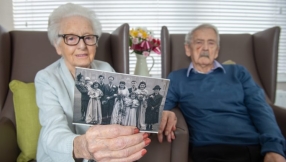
135, 41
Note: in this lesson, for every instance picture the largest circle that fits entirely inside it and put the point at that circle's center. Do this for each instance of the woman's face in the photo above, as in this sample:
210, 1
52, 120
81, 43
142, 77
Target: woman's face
121, 85
95, 86
142, 86
79, 55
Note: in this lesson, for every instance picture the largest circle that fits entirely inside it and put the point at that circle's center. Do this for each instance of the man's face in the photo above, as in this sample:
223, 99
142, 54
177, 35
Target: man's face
156, 91
203, 49
101, 79
133, 84
110, 80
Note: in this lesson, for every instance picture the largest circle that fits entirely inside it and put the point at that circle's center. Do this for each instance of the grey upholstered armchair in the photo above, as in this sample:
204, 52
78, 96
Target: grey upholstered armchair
257, 52
24, 53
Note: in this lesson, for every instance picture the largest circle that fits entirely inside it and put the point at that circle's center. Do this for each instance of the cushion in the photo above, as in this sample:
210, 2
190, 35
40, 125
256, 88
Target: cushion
27, 120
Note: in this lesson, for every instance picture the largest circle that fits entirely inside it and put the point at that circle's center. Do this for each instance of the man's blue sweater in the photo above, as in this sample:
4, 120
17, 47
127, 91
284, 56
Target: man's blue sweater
225, 108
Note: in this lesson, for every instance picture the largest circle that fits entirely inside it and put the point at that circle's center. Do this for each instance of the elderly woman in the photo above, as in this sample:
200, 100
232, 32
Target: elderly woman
74, 31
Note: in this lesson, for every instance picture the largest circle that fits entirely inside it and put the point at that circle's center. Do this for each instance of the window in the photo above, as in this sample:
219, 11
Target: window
179, 16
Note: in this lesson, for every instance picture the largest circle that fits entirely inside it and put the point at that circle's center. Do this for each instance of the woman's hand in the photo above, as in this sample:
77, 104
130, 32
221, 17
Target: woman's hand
167, 126
111, 143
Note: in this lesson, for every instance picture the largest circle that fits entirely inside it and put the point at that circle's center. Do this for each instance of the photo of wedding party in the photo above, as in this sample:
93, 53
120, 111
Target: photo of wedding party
102, 98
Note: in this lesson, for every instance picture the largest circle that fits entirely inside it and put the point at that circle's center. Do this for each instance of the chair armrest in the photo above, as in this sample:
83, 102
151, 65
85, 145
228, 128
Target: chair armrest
175, 151
180, 146
280, 115
9, 149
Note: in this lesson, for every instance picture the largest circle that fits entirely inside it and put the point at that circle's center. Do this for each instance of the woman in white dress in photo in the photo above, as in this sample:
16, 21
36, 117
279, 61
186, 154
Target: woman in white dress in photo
93, 112
118, 112
132, 105
142, 96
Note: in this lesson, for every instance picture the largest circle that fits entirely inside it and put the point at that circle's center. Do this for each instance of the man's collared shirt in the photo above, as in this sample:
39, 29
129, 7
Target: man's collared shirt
216, 66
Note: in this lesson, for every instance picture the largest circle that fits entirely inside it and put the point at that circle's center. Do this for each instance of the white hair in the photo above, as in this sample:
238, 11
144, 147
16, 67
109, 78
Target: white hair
190, 35
69, 10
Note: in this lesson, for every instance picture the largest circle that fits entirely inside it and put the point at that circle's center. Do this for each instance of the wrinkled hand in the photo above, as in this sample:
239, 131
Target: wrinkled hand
273, 157
112, 143
167, 126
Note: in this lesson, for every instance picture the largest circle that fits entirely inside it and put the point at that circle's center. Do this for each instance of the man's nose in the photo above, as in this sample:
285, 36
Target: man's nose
205, 46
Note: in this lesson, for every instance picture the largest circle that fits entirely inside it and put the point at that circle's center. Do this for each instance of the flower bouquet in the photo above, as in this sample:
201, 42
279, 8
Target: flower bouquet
142, 42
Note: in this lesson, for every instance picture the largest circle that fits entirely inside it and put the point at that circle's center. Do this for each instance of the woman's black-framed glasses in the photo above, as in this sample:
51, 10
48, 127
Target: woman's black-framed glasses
72, 40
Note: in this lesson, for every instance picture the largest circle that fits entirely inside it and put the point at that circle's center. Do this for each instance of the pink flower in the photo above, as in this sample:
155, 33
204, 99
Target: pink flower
150, 38
146, 53
143, 42
145, 45
135, 41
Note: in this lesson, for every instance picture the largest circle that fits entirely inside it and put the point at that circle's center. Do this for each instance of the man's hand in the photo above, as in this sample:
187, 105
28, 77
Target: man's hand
167, 126
273, 157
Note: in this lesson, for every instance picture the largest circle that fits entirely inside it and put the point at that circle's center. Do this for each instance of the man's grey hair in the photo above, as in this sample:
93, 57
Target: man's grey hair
190, 35
69, 10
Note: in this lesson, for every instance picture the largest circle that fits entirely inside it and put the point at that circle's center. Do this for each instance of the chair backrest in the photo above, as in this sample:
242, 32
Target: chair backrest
257, 52
31, 51
5, 60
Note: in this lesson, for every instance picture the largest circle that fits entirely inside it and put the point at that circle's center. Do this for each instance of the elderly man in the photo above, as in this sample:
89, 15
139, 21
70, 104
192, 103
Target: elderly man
226, 112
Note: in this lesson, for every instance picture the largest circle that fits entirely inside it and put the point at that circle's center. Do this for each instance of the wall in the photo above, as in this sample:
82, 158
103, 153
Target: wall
6, 14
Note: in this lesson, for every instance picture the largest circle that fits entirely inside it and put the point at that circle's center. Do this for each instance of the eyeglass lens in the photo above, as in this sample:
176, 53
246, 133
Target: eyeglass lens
74, 39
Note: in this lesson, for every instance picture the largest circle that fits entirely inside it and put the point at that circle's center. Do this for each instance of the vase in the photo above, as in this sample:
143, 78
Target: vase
141, 67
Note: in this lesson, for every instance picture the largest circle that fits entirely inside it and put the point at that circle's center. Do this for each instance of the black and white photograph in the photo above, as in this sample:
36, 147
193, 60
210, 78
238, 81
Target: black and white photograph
102, 98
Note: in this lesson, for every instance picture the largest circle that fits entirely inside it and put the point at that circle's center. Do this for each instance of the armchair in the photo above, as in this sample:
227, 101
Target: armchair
29, 52
24, 53
257, 52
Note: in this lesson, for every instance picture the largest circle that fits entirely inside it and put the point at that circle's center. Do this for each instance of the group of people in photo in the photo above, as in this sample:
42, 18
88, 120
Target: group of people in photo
106, 103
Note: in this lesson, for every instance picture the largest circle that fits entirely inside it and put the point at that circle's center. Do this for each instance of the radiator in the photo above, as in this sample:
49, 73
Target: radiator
280, 98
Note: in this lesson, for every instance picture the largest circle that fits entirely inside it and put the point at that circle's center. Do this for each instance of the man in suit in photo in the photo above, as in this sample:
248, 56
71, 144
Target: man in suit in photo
101, 85
104, 108
153, 107
111, 91
133, 87
82, 88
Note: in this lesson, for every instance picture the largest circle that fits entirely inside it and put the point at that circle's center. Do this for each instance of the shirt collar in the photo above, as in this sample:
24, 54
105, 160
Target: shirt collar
217, 65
